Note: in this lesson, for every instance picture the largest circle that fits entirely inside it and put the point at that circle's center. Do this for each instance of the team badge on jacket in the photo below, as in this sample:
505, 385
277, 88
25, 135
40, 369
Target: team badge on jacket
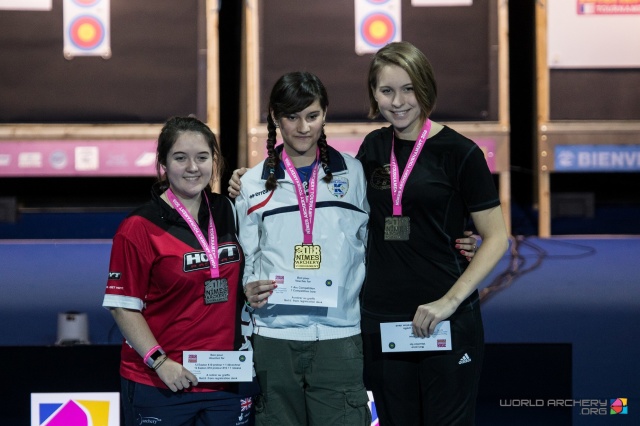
339, 186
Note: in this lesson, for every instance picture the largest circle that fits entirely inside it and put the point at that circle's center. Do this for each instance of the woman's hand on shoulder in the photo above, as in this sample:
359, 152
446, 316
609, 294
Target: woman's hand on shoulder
468, 245
234, 182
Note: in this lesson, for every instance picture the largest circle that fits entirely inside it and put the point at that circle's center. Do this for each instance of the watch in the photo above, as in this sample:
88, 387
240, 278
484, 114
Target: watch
154, 357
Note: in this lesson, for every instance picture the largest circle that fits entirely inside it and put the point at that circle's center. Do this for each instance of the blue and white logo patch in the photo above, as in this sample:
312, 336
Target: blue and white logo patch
339, 186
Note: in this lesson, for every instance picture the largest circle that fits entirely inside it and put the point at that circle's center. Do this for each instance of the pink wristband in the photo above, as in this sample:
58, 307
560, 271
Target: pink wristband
151, 351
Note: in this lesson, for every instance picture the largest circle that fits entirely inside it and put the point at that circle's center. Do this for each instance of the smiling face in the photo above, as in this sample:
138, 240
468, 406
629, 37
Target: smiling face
300, 132
396, 98
189, 165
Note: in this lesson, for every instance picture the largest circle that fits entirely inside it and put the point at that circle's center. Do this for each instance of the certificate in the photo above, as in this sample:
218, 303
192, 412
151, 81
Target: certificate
399, 337
219, 366
304, 290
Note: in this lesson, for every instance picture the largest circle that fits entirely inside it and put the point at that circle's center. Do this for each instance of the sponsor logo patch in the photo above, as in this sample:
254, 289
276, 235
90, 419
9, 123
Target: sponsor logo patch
255, 194
196, 260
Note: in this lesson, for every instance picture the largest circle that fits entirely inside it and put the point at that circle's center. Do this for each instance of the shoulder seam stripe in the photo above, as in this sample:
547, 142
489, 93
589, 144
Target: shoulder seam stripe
259, 205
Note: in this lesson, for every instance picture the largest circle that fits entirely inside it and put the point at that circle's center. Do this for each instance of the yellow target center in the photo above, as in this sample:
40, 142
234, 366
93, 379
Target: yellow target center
86, 32
378, 29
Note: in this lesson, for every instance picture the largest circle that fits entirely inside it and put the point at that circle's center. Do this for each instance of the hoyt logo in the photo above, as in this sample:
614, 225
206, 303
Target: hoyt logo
196, 260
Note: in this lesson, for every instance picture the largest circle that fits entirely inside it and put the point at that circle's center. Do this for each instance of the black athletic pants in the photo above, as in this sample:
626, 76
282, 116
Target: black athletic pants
436, 388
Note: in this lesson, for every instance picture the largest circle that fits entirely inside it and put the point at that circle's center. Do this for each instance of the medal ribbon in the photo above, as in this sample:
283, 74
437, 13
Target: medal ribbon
210, 247
307, 205
397, 188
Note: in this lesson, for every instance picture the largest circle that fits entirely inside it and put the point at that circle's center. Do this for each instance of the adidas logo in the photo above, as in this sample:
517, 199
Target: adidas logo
465, 359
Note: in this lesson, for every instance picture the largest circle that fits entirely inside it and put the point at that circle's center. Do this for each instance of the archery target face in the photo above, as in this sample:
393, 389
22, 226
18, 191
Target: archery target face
377, 24
86, 28
86, 32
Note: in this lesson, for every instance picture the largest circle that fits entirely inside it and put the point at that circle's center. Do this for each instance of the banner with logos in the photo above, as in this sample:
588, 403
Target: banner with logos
597, 158
593, 34
75, 409
78, 158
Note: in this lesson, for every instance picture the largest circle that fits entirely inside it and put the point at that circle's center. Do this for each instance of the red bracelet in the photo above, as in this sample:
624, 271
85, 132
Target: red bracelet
151, 351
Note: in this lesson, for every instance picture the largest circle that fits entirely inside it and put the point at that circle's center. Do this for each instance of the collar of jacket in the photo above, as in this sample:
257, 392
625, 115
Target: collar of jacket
336, 163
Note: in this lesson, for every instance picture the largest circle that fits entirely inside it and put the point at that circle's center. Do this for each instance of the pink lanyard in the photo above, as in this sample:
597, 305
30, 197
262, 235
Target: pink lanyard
209, 248
307, 210
397, 188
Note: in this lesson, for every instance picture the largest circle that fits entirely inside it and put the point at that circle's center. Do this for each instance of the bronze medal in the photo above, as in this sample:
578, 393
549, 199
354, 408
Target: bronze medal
396, 228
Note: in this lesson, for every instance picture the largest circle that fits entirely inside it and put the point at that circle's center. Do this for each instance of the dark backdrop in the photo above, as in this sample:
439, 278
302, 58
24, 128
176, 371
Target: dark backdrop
152, 74
456, 40
160, 97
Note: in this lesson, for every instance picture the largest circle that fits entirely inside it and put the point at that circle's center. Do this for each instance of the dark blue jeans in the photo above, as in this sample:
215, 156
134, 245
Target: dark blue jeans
149, 405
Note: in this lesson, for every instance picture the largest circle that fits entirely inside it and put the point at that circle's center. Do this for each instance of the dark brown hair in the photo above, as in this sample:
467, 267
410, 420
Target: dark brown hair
169, 134
292, 93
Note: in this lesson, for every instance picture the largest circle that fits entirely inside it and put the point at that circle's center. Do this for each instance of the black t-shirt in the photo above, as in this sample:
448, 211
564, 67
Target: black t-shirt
450, 179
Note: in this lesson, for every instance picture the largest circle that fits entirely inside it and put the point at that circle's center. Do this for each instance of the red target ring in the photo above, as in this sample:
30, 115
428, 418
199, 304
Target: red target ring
86, 32
378, 29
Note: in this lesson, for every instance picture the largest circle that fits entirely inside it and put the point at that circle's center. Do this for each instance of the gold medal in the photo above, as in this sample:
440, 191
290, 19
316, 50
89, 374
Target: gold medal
396, 228
307, 256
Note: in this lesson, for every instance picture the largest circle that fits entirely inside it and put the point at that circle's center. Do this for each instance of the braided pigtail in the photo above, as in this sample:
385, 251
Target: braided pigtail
272, 157
324, 156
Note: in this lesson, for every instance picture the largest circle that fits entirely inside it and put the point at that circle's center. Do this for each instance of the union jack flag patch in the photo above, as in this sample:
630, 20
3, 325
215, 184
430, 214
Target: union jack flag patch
245, 404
